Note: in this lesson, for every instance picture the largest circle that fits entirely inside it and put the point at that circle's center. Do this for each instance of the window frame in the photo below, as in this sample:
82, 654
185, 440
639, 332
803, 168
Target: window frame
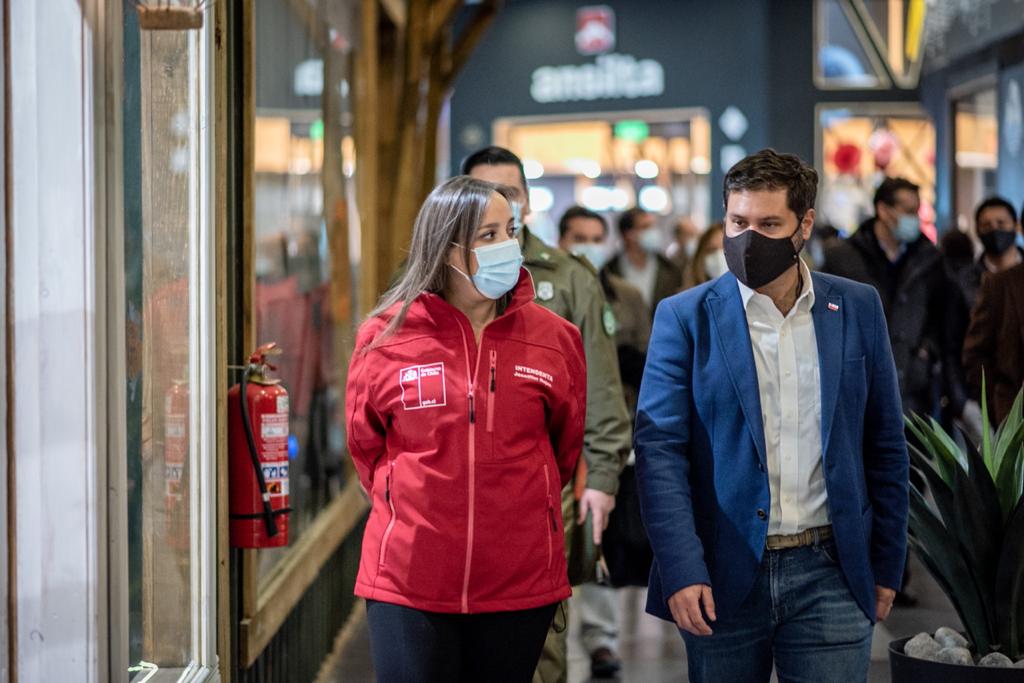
203, 373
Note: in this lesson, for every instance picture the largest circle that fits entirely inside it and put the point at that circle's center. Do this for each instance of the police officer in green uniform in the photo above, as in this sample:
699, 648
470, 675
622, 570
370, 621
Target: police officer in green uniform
568, 286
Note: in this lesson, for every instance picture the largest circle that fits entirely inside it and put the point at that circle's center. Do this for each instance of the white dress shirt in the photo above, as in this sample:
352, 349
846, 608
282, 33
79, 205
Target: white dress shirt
641, 278
789, 384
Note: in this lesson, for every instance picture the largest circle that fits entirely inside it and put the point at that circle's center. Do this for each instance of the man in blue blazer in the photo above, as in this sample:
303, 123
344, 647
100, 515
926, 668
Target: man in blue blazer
771, 461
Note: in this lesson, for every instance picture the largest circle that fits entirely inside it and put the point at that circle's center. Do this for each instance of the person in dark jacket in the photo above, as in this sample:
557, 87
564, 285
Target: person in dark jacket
995, 223
641, 262
995, 340
889, 252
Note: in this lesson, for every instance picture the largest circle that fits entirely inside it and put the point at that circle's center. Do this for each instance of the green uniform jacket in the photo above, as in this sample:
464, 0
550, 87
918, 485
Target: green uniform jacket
568, 286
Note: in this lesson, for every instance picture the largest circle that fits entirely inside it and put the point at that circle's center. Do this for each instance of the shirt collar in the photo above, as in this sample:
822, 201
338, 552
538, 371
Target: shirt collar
803, 302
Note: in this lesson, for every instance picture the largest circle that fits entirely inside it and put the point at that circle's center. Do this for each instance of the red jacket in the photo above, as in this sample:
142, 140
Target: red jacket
465, 476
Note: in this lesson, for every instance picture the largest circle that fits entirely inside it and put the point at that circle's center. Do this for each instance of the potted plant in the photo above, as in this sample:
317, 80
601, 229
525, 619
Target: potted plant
970, 537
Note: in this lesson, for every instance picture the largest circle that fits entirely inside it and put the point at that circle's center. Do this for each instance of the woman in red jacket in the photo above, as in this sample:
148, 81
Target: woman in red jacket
465, 405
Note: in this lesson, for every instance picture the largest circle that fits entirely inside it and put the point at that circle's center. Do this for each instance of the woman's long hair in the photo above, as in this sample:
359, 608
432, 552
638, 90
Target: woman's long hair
450, 215
695, 273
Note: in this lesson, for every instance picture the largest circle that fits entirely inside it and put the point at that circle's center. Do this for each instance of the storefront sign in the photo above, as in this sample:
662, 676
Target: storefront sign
595, 30
611, 77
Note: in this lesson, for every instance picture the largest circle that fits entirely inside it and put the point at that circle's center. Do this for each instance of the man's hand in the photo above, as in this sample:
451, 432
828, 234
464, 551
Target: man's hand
599, 503
685, 606
883, 601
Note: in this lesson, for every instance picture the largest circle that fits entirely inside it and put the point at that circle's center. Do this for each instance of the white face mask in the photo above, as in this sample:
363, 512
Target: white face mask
715, 264
597, 254
651, 240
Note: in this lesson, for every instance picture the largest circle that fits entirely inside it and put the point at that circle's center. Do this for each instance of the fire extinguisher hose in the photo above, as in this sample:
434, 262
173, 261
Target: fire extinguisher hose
268, 512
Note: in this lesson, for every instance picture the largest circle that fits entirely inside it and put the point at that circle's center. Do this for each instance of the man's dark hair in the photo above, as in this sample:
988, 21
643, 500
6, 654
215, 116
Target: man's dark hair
579, 212
769, 170
493, 156
995, 203
627, 221
886, 192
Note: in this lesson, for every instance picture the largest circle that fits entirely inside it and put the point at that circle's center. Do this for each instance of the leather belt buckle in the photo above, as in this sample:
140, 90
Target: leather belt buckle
805, 537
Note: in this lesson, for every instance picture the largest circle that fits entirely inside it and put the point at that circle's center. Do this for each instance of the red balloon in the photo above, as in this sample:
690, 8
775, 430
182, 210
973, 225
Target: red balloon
846, 157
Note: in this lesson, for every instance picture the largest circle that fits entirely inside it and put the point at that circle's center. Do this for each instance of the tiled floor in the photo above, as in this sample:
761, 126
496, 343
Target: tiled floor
652, 651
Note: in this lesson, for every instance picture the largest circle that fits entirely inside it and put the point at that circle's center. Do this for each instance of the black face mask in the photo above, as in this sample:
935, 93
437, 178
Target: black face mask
756, 260
998, 241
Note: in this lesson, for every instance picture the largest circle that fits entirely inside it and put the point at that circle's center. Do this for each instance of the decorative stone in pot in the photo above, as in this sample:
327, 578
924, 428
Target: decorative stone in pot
908, 669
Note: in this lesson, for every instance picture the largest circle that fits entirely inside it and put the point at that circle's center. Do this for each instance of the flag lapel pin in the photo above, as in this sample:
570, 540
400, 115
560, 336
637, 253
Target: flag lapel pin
833, 307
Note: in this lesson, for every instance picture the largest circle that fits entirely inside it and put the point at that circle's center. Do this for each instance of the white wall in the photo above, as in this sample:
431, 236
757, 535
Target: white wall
57, 250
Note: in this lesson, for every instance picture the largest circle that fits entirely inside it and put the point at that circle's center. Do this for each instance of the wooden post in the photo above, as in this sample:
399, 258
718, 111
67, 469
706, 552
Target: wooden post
368, 153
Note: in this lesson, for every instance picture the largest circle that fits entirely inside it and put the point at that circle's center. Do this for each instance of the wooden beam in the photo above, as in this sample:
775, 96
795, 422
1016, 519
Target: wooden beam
469, 38
299, 569
442, 14
222, 103
395, 11
367, 140
411, 148
440, 65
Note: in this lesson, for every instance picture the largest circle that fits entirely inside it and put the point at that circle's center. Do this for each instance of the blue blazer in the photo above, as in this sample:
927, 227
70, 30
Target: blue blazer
700, 448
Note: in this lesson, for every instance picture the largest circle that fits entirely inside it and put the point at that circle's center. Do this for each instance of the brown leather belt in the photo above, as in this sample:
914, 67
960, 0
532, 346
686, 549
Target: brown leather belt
806, 537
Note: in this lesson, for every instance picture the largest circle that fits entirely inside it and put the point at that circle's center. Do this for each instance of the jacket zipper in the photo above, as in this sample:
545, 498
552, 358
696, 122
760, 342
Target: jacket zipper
391, 506
551, 513
471, 374
491, 396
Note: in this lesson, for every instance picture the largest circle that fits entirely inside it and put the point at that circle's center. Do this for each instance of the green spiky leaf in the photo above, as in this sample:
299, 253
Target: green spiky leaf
1010, 586
941, 553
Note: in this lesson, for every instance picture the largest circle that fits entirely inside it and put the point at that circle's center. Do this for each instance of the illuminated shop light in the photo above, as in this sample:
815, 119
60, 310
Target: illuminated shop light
598, 198
700, 165
586, 167
620, 199
541, 198
645, 168
653, 199
533, 169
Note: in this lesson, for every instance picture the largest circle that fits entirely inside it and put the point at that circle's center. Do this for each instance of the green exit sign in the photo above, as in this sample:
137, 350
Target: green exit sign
632, 131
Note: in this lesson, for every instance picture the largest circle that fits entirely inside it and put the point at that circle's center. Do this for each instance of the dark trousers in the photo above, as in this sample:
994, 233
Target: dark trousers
413, 646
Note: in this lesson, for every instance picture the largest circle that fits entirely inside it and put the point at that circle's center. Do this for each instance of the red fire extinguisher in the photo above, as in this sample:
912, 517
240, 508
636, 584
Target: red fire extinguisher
176, 434
258, 452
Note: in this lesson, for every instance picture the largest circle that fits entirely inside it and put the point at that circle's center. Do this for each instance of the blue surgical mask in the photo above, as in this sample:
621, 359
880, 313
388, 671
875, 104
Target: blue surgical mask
597, 254
651, 240
497, 268
908, 228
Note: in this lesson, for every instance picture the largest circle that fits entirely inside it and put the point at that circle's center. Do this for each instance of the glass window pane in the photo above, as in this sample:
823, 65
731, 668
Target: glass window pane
161, 137
862, 145
306, 234
842, 59
976, 133
897, 27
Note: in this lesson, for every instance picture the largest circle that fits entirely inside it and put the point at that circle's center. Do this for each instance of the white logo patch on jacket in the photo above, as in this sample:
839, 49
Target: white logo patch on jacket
534, 375
423, 386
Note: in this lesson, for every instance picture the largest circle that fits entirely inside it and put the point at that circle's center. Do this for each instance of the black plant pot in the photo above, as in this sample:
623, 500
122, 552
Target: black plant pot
906, 669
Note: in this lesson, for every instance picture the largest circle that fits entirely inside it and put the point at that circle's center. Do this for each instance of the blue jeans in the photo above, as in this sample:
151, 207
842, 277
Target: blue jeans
799, 616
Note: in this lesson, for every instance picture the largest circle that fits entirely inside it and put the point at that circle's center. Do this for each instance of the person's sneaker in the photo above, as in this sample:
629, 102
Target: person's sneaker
604, 663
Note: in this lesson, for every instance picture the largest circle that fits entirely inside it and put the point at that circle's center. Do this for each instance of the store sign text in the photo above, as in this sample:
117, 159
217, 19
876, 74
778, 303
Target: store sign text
611, 77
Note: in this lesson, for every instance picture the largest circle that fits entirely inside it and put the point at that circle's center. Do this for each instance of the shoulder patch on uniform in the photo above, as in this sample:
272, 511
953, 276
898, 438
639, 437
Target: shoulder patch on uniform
545, 290
610, 322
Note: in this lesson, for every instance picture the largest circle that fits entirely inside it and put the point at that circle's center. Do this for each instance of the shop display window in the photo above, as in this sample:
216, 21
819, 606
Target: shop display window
659, 160
860, 144
305, 229
976, 158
